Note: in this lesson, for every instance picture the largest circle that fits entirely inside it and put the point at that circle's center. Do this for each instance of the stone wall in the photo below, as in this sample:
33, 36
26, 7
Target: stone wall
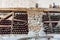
35, 20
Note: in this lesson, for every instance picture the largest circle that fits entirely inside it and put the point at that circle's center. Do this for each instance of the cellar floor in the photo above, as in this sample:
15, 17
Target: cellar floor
16, 37
31, 33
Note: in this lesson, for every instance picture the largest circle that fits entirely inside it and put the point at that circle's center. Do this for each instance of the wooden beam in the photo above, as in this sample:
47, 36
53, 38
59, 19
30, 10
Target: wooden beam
13, 9
51, 21
7, 16
5, 25
30, 9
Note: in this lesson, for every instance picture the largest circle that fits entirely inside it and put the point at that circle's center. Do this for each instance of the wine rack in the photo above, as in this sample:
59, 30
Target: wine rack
20, 27
49, 29
5, 29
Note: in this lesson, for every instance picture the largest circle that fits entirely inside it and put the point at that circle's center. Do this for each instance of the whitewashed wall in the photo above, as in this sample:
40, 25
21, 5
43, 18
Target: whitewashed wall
14, 3
27, 3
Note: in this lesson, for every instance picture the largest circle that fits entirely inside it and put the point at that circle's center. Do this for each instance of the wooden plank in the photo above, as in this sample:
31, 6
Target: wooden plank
28, 9
13, 9
51, 21
5, 25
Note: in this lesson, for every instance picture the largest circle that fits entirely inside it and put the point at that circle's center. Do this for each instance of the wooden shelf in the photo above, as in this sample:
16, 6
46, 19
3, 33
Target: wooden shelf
5, 25
51, 21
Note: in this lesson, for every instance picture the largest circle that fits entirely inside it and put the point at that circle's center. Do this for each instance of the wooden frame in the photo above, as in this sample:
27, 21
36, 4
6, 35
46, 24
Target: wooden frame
28, 9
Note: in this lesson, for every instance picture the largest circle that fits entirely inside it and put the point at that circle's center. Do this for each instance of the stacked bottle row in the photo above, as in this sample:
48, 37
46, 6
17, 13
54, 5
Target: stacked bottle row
5, 30
49, 30
5, 22
54, 30
53, 18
